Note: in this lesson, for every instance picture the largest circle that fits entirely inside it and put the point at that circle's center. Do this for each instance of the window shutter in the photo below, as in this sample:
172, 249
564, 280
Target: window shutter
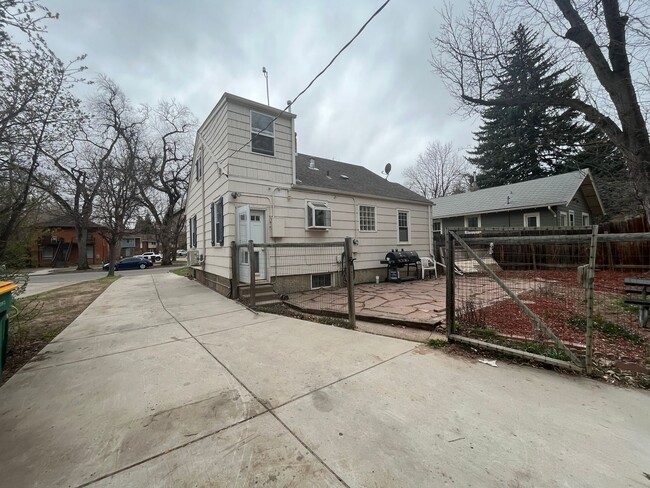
190, 233
194, 232
212, 224
219, 205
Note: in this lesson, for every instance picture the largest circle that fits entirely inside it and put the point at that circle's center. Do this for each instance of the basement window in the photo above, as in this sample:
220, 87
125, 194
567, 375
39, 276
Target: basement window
319, 215
321, 281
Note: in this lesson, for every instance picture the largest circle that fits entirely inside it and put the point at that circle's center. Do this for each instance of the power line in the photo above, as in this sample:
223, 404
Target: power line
310, 83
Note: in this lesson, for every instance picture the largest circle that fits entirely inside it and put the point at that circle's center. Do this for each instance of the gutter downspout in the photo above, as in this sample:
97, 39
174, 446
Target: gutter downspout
552, 211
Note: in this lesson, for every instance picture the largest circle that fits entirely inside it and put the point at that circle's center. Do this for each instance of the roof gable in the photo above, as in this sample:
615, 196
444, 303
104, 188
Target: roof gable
350, 178
542, 192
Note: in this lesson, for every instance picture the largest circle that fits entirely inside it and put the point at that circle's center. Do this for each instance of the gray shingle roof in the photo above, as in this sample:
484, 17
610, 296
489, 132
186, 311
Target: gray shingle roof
359, 179
553, 190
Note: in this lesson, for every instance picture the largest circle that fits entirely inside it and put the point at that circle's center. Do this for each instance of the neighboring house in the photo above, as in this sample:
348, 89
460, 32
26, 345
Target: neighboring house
288, 197
565, 200
135, 243
57, 246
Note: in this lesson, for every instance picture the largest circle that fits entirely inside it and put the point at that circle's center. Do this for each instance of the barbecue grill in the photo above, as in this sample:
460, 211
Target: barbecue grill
396, 259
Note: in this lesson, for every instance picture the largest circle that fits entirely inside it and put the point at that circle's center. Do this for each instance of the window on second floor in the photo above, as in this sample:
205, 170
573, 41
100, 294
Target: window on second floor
262, 134
198, 165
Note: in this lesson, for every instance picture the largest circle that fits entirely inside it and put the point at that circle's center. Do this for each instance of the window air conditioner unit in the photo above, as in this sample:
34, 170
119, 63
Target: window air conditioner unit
193, 257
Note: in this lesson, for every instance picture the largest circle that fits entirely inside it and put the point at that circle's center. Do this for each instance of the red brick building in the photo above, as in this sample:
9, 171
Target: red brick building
57, 247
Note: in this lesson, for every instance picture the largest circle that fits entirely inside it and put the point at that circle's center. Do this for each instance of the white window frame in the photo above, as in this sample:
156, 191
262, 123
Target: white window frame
572, 218
585, 214
408, 225
198, 165
532, 214
565, 216
319, 287
433, 223
374, 218
478, 216
310, 209
270, 132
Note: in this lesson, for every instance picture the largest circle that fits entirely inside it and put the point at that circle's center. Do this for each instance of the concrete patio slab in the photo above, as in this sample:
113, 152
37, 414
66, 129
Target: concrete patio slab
285, 358
428, 419
260, 452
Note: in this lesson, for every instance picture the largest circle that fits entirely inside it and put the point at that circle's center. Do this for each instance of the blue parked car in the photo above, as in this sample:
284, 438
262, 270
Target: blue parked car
131, 263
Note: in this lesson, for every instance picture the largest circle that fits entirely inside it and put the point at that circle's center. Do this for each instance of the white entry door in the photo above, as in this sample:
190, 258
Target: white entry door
251, 226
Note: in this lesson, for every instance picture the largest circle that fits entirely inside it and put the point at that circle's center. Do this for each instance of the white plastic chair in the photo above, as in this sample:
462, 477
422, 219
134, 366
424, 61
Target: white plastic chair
428, 264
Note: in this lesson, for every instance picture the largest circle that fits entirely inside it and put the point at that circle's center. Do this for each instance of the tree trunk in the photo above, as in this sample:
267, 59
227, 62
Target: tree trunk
82, 237
113, 250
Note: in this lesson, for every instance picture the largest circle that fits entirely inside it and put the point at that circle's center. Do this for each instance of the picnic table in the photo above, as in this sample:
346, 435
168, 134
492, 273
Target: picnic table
639, 286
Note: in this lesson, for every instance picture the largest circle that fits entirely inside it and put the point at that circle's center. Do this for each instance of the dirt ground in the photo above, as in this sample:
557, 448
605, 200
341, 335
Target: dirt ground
42, 317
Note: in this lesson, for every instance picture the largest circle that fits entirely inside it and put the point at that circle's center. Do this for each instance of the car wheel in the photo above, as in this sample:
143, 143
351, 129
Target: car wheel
143, 266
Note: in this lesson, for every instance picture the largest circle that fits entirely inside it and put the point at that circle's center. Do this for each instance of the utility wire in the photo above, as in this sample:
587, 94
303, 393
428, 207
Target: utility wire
310, 83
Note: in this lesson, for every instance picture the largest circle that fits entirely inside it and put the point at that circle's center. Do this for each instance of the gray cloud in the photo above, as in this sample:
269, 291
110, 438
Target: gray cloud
378, 103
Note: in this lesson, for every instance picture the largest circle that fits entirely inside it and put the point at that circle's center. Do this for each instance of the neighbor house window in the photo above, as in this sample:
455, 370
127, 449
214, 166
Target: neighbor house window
531, 219
321, 280
367, 218
437, 227
403, 233
572, 218
47, 252
564, 219
262, 134
473, 221
585, 219
319, 215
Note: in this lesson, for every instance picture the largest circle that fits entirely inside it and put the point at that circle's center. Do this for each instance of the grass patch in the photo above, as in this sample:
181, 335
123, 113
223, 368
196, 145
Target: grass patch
606, 327
437, 343
625, 307
36, 320
109, 279
184, 271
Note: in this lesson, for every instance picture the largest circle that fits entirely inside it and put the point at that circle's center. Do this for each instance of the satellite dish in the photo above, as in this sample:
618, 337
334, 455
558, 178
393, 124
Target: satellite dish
387, 169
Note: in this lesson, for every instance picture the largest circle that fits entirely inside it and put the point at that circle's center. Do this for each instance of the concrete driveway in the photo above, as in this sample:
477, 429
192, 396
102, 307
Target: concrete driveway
162, 382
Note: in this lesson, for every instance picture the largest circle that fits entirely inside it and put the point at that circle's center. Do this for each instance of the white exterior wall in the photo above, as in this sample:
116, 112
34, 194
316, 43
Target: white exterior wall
265, 183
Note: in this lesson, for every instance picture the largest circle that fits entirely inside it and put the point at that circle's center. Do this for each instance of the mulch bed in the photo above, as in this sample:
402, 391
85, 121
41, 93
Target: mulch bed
621, 346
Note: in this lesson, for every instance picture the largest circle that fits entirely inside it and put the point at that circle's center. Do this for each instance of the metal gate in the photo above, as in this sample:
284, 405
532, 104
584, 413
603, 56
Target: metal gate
524, 292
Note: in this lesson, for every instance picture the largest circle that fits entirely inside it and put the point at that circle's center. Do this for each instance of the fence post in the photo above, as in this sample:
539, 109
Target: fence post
234, 263
589, 350
450, 295
251, 268
349, 274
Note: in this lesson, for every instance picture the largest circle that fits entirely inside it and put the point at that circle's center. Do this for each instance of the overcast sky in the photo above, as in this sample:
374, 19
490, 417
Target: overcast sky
378, 103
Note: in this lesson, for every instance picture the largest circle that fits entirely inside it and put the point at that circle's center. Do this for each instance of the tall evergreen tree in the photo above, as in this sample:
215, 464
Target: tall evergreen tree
535, 138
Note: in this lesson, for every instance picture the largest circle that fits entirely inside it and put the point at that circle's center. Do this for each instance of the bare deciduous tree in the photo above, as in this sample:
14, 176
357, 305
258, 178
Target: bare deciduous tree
439, 171
163, 184
607, 41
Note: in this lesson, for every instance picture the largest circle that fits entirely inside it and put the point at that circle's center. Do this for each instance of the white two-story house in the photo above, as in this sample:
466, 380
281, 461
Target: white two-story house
249, 182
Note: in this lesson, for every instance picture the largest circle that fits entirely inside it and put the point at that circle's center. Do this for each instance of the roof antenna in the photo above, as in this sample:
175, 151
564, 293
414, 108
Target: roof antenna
387, 169
266, 75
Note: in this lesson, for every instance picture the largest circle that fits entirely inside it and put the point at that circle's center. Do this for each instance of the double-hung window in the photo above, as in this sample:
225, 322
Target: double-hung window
367, 222
198, 165
403, 232
319, 215
585, 219
437, 227
262, 134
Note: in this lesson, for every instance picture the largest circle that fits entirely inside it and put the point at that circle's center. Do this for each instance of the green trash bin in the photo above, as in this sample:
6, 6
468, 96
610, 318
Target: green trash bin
5, 307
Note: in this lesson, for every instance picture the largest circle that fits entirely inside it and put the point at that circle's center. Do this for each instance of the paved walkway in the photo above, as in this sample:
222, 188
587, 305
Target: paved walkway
162, 382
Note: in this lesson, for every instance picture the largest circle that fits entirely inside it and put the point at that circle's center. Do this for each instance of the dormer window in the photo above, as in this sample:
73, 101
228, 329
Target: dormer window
319, 215
262, 134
